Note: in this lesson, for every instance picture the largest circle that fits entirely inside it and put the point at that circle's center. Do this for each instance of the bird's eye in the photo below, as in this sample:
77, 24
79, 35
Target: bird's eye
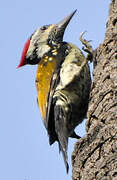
55, 30
44, 27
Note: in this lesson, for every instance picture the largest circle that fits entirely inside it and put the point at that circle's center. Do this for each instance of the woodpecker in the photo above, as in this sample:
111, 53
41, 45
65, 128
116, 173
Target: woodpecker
62, 81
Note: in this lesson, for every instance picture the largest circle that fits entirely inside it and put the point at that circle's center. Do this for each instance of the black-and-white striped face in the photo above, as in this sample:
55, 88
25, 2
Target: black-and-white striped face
39, 43
42, 40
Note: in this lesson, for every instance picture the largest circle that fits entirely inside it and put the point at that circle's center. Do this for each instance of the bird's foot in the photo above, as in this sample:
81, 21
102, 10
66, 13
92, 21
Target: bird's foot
87, 47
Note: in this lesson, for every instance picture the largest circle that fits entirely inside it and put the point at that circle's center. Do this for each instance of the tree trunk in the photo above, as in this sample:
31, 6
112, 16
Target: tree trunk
95, 155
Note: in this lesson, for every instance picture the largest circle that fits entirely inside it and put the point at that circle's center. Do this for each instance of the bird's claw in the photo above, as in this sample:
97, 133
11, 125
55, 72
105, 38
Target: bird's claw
87, 47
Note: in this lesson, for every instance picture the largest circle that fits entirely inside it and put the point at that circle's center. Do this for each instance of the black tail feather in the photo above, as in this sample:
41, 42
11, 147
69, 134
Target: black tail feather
74, 135
61, 130
65, 157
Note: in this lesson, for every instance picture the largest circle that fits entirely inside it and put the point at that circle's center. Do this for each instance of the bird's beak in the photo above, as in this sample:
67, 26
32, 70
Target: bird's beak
63, 24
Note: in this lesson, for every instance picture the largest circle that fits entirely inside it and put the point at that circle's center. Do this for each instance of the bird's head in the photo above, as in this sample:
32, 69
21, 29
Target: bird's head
42, 40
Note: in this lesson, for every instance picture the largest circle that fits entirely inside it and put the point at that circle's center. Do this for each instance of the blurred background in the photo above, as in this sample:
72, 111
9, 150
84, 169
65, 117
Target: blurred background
25, 153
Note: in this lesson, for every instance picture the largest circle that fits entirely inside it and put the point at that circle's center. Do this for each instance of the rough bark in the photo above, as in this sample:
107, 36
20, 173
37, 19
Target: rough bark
95, 155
